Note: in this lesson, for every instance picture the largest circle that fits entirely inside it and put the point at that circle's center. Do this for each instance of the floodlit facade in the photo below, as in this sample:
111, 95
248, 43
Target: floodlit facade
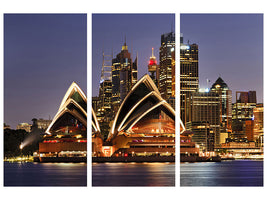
66, 138
24, 126
258, 124
41, 123
144, 123
189, 80
206, 107
165, 65
225, 95
124, 76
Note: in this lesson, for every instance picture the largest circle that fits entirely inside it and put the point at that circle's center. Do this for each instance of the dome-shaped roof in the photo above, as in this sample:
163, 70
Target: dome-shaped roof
219, 83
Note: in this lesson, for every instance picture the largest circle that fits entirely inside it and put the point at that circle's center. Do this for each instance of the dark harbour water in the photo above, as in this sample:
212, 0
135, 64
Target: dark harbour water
133, 174
225, 173
45, 174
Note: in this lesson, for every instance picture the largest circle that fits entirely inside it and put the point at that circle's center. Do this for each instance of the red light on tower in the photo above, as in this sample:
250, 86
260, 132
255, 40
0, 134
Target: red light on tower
152, 66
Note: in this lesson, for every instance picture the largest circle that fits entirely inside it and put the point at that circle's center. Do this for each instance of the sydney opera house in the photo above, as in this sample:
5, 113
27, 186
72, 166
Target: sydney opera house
143, 126
66, 136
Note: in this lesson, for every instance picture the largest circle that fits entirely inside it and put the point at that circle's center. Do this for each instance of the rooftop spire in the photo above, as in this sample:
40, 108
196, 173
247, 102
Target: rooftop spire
124, 47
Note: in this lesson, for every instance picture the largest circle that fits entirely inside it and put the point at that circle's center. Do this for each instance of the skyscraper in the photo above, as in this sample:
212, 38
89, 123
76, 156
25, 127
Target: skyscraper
103, 111
173, 74
124, 76
242, 111
165, 66
152, 67
206, 107
189, 80
221, 88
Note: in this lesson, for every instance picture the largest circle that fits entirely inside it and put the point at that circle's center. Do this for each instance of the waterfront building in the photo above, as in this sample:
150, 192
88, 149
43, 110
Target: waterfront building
144, 123
189, 81
203, 135
24, 126
187, 146
241, 148
225, 95
249, 129
258, 122
66, 138
206, 107
223, 137
242, 111
165, 65
124, 76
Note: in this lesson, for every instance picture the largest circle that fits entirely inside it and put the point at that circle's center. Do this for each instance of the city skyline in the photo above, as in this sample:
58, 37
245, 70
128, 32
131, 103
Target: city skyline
140, 37
43, 55
230, 46
22, 74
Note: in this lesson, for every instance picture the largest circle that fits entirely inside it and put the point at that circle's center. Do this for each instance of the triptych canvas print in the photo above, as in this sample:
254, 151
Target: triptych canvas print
157, 99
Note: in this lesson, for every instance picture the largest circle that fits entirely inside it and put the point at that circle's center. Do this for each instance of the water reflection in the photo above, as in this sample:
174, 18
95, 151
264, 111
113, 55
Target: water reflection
45, 174
133, 174
228, 173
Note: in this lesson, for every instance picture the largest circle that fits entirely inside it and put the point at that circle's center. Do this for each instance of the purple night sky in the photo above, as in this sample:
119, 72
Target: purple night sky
43, 55
143, 31
230, 46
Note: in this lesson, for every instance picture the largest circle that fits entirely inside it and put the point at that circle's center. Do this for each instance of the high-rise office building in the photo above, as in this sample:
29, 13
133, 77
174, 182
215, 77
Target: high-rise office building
165, 65
95, 103
189, 81
246, 97
206, 107
104, 108
124, 76
242, 111
105, 94
173, 74
203, 135
103, 111
225, 95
